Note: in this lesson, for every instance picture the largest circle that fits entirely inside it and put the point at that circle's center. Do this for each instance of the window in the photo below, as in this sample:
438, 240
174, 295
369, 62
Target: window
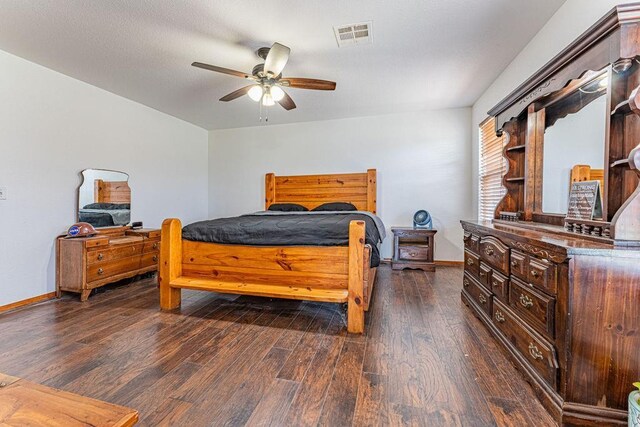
492, 167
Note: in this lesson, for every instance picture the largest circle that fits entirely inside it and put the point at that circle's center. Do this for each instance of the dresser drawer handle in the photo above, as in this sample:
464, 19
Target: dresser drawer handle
534, 352
100, 257
100, 271
482, 299
469, 261
535, 273
465, 283
155, 245
499, 316
482, 274
489, 251
514, 263
155, 258
526, 301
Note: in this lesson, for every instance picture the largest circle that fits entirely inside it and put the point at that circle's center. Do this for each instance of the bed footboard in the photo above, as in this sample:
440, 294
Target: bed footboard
330, 274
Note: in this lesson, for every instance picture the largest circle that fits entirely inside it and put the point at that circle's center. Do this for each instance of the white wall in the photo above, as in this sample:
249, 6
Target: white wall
571, 20
423, 161
51, 128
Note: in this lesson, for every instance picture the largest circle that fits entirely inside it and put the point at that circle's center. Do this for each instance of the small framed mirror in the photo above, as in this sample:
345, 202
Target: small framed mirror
104, 198
574, 142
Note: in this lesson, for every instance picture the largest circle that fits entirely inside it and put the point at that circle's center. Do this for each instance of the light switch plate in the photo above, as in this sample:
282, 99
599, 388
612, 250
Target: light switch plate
3, 193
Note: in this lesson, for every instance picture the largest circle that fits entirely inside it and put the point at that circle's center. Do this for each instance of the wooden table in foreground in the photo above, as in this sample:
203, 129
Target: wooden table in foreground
23, 403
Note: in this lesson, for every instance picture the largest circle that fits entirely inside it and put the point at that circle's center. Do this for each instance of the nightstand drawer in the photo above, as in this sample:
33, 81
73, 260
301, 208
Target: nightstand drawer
413, 253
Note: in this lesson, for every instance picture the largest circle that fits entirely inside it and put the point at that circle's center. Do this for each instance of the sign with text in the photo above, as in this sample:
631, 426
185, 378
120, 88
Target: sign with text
584, 200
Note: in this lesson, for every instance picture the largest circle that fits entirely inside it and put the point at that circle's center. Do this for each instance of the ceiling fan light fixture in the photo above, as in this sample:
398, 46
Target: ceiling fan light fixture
267, 100
276, 93
255, 93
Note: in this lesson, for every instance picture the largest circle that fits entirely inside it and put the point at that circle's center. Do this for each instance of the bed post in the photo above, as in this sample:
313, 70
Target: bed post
355, 301
170, 263
371, 190
269, 190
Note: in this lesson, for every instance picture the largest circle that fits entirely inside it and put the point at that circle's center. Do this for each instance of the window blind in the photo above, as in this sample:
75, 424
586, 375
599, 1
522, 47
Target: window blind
492, 167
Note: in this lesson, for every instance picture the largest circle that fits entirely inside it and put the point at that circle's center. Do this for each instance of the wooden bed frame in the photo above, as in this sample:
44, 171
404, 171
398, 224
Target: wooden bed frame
315, 273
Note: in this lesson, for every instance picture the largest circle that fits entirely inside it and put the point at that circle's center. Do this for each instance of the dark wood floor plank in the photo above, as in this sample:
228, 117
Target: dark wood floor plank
245, 399
275, 402
340, 403
371, 401
307, 405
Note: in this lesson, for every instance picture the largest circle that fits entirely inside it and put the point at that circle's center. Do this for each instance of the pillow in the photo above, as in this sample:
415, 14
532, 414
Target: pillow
108, 206
287, 207
335, 206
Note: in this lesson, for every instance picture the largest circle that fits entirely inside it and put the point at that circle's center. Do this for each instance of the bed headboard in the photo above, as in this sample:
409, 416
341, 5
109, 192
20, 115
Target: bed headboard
112, 191
313, 190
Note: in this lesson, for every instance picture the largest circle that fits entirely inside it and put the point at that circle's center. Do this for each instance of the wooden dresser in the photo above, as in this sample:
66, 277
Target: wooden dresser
555, 276
87, 263
565, 309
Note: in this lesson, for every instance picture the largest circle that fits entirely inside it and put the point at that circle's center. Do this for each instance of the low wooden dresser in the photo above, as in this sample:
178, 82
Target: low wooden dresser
86, 263
413, 248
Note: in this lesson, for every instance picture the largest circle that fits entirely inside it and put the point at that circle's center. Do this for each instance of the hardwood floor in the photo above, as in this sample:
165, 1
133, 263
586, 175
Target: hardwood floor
226, 360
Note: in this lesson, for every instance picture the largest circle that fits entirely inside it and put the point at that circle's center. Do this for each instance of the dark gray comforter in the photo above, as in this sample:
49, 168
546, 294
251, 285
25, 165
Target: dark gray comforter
288, 228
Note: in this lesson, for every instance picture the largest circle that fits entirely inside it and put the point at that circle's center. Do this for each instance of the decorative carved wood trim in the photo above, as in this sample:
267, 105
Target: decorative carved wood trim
593, 50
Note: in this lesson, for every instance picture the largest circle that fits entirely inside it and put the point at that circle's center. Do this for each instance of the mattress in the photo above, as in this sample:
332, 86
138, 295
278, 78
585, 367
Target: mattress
288, 229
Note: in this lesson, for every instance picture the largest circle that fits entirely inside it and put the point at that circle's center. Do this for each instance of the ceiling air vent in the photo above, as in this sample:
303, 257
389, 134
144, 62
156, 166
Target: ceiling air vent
359, 33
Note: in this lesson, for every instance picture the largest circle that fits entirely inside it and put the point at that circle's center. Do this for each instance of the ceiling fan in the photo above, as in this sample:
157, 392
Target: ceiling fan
268, 80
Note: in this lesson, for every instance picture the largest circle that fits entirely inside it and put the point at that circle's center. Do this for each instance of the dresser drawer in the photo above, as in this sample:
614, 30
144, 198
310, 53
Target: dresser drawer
471, 242
471, 263
484, 275
519, 264
500, 286
539, 352
542, 274
495, 253
478, 293
101, 271
413, 253
102, 255
536, 307
151, 246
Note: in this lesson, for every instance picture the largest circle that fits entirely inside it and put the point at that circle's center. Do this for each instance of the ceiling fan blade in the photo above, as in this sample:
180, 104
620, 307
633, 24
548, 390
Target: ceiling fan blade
302, 83
236, 94
286, 102
223, 70
276, 59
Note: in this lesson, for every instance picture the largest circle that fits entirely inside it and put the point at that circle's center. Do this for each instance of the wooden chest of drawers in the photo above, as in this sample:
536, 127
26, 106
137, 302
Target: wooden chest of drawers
565, 310
84, 264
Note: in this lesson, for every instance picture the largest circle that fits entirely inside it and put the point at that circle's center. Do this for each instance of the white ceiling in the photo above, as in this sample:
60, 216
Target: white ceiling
426, 54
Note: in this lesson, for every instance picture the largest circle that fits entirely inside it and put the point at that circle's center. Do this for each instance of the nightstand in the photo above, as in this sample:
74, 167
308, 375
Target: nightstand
413, 248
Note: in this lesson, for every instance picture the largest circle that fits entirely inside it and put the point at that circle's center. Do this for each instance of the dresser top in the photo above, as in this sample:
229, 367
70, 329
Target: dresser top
551, 238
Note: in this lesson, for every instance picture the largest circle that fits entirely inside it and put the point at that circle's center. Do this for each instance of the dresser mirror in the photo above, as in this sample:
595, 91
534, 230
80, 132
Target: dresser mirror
104, 198
574, 142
